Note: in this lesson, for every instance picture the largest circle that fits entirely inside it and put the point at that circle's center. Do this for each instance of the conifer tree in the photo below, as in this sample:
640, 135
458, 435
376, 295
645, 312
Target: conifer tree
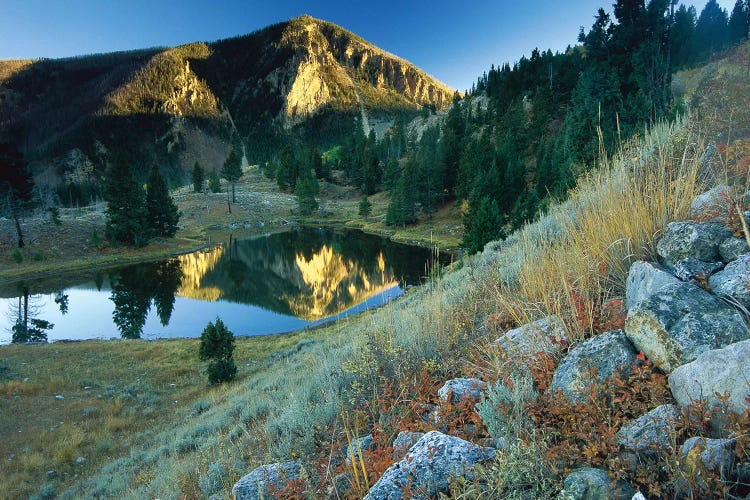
163, 215
365, 207
482, 224
15, 185
126, 214
214, 183
305, 191
217, 347
232, 170
198, 178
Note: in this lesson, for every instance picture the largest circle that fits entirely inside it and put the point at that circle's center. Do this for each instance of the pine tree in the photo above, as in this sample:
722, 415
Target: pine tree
198, 178
232, 170
738, 21
217, 347
305, 191
15, 185
126, 214
214, 183
163, 215
482, 224
365, 207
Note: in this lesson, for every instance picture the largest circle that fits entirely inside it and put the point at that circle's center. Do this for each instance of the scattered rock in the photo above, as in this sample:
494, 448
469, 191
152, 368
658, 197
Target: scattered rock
593, 360
361, 444
340, 486
428, 465
711, 455
696, 240
80, 460
459, 390
650, 432
716, 372
403, 442
590, 483
711, 205
544, 335
694, 269
677, 323
731, 248
59, 397
644, 279
734, 281
429, 413
51, 474
262, 480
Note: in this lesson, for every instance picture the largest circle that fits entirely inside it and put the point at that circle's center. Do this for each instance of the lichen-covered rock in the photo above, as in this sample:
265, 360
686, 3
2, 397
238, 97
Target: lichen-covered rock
650, 432
679, 322
734, 281
544, 335
589, 483
711, 205
593, 360
731, 248
696, 240
403, 442
711, 455
713, 373
694, 269
428, 465
644, 279
459, 390
363, 443
262, 481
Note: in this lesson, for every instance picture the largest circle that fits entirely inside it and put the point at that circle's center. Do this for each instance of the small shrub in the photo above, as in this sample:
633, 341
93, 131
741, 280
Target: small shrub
217, 346
91, 411
365, 207
54, 215
200, 406
38, 257
95, 240
17, 256
213, 480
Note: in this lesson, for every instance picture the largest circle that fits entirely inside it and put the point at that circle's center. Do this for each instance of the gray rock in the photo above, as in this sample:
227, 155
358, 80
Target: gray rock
711, 205
361, 444
429, 413
606, 354
644, 279
696, 240
650, 432
679, 322
60, 397
589, 483
80, 460
544, 335
258, 484
734, 281
459, 390
340, 486
731, 248
694, 269
720, 371
428, 465
712, 455
403, 442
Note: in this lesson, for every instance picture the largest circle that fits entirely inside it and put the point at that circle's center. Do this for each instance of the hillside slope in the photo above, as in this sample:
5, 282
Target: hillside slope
303, 81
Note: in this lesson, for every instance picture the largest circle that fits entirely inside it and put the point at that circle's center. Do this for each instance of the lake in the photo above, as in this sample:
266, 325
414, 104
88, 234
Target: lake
264, 285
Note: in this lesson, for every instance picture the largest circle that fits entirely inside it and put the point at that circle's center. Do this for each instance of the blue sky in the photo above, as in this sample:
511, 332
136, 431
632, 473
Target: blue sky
453, 41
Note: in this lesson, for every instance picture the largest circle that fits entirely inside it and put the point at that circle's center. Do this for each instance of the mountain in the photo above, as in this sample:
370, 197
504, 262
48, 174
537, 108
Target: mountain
302, 81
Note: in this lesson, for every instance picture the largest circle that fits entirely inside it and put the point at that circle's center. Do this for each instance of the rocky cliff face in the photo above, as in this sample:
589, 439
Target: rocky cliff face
303, 81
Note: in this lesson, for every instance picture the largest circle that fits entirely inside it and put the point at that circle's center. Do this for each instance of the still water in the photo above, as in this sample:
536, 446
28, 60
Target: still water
273, 284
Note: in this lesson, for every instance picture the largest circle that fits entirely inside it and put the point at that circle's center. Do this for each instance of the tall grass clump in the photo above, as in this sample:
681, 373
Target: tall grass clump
610, 220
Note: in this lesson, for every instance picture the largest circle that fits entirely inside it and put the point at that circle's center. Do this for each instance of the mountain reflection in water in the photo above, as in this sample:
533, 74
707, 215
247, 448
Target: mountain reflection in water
271, 284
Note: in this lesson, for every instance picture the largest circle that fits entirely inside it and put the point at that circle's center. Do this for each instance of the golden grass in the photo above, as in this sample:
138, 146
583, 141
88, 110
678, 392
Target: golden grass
610, 221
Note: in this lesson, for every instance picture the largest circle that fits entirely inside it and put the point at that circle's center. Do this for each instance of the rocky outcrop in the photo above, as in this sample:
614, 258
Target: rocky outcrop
262, 481
459, 390
711, 205
701, 455
593, 361
358, 446
697, 240
651, 432
731, 249
712, 375
644, 279
426, 468
589, 483
678, 322
403, 443
734, 281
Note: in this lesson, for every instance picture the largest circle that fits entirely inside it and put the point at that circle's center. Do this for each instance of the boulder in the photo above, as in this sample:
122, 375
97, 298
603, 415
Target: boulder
426, 468
694, 269
713, 373
403, 442
459, 390
679, 322
650, 432
711, 455
593, 360
262, 481
361, 444
644, 279
731, 248
589, 483
544, 335
734, 281
696, 240
711, 205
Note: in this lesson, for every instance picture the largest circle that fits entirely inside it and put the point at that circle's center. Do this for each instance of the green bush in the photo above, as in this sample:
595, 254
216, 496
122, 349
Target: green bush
217, 346
17, 255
